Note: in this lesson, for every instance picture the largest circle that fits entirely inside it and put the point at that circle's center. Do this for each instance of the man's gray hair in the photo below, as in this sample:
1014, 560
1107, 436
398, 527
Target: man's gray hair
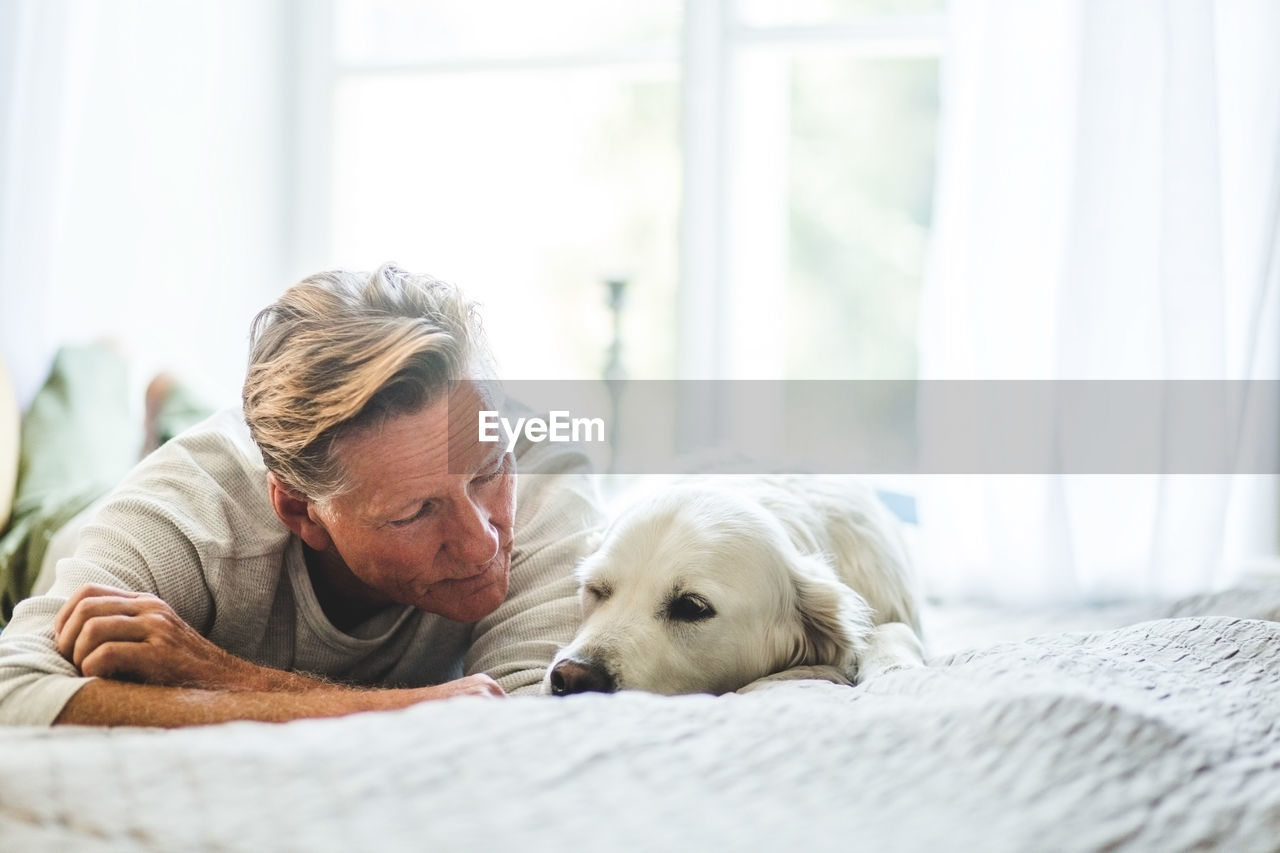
340, 351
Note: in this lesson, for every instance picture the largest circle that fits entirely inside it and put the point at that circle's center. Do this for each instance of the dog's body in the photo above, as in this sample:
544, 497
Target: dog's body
717, 583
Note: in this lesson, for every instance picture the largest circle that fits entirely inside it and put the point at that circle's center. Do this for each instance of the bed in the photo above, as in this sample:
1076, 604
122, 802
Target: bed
1156, 735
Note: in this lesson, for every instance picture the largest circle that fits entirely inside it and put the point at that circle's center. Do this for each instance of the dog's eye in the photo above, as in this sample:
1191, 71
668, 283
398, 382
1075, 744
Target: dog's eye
690, 608
597, 592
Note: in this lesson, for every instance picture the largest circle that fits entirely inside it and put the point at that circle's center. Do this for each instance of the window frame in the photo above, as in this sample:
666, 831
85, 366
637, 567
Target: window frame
714, 297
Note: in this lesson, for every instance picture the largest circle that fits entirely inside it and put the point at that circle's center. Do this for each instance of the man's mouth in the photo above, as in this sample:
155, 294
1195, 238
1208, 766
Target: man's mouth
481, 572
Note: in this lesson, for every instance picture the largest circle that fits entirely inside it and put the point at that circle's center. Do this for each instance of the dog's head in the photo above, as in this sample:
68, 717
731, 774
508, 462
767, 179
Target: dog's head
698, 591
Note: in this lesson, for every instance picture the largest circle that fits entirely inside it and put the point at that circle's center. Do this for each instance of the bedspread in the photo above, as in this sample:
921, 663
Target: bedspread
1158, 736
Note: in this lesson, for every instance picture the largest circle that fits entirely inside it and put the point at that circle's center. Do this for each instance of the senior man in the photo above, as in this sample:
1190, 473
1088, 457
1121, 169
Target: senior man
344, 543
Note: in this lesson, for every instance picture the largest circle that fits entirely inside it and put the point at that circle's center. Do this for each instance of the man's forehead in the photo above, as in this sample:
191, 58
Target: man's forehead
439, 439
463, 407
469, 396
417, 469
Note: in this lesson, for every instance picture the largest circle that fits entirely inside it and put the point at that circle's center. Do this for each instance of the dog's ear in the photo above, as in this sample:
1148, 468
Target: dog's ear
835, 621
591, 542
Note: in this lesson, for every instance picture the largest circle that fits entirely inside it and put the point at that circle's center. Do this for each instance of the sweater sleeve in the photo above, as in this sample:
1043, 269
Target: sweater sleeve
143, 537
558, 516
35, 680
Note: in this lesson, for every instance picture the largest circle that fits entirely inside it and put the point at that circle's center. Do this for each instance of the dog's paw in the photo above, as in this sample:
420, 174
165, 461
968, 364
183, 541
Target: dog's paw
799, 673
892, 646
876, 670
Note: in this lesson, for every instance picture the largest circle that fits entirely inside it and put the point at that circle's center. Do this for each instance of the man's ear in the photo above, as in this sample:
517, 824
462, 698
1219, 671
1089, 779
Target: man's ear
296, 513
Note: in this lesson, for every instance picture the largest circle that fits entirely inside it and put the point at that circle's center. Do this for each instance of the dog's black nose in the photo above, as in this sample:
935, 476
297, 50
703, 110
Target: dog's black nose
576, 676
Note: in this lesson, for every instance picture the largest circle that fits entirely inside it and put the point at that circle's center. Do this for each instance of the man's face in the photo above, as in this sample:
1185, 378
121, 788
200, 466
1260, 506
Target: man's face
412, 532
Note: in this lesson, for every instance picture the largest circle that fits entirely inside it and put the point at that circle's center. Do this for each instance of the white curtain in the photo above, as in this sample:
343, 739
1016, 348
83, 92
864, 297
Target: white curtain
43, 80
144, 180
1107, 208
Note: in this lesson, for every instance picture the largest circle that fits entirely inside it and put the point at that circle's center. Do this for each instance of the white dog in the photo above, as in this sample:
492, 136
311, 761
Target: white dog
716, 584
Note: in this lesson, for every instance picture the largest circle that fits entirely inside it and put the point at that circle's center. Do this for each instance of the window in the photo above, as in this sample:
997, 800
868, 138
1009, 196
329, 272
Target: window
759, 172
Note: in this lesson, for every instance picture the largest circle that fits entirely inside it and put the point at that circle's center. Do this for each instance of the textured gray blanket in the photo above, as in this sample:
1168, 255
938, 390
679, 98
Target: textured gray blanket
1160, 736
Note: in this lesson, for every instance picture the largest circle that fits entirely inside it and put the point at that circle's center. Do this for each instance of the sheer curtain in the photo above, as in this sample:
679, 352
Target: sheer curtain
144, 180
1107, 208
43, 81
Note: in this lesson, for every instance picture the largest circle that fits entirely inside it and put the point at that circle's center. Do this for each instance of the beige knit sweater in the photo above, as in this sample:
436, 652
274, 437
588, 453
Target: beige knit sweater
193, 525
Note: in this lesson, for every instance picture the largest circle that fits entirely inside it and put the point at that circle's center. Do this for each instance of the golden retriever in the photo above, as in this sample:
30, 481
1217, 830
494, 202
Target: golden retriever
731, 582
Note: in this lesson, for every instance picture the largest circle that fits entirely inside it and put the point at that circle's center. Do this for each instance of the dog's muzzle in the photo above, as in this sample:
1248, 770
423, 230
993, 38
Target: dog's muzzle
578, 676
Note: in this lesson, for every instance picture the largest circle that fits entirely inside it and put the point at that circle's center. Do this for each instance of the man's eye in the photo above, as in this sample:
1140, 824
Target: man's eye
690, 608
485, 479
422, 513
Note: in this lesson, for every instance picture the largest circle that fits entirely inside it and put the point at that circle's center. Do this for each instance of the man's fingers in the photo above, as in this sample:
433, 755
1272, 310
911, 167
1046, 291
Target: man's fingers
112, 660
87, 609
87, 591
103, 630
480, 685
469, 685
92, 608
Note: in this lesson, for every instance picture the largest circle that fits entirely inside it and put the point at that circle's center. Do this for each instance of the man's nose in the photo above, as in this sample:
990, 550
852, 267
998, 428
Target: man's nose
473, 539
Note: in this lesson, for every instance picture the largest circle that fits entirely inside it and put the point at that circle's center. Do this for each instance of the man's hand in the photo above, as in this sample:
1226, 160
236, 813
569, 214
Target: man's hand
471, 685
133, 636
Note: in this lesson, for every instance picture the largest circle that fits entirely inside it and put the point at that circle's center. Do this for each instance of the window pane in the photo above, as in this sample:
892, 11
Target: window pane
526, 189
763, 13
860, 193
403, 31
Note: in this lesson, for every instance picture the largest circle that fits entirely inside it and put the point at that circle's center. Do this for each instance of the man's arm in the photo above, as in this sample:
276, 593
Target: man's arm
178, 678
103, 702
113, 656
106, 632
175, 677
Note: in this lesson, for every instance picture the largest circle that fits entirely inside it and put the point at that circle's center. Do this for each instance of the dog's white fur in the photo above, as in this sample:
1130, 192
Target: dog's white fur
807, 577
